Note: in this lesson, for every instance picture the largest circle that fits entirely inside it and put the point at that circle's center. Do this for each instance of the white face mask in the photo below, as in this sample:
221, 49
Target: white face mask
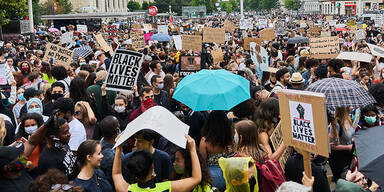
31, 129
119, 109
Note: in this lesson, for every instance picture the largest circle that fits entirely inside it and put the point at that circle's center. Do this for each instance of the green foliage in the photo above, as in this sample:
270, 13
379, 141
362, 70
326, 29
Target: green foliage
145, 5
260, 4
36, 12
163, 6
291, 4
268, 4
133, 5
12, 7
209, 4
62, 7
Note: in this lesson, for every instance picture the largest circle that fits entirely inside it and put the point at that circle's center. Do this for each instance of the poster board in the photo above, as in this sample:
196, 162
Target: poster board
332, 23
304, 120
324, 47
214, 35
227, 36
162, 29
104, 45
246, 24
66, 37
259, 56
82, 28
248, 40
325, 34
276, 140
136, 26
148, 26
360, 35
24, 27
138, 40
376, 50
124, 70
314, 31
60, 55
178, 42
229, 26
328, 18
189, 65
355, 56
303, 25
217, 55
280, 28
191, 42
267, 34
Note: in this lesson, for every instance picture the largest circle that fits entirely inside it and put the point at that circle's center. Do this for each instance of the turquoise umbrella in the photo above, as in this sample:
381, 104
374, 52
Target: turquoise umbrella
212, 90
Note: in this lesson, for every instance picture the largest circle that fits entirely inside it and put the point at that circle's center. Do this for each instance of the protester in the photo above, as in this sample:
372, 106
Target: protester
57, 91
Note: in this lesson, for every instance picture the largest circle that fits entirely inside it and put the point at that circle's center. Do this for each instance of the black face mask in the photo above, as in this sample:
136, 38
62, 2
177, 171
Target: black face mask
56, 96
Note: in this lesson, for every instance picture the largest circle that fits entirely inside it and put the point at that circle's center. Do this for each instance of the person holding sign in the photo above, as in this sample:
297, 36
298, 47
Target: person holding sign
141, 165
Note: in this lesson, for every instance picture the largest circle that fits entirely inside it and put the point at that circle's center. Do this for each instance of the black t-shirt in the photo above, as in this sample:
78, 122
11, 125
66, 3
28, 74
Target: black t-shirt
61, 159
97, 183
48, 108
20, 184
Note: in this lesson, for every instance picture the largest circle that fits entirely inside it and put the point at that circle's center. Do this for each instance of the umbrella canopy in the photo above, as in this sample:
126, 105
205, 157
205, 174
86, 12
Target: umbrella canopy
53, 30
212, 90
299, 39
341, 29
161, 37
342, 93
369, 145
41, 32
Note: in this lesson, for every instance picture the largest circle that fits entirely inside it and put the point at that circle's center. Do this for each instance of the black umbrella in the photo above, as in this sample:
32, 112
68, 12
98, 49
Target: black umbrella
298, 39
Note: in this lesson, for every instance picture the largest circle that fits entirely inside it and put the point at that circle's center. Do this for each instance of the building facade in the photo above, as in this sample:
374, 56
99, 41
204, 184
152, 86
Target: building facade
354, 7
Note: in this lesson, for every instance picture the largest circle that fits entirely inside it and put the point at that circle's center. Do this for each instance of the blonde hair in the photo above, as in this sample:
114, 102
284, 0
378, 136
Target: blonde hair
342, 114
88, 115
3, 131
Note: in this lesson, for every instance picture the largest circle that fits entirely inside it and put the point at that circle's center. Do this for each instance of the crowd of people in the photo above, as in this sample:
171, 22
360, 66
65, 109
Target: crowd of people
58, 124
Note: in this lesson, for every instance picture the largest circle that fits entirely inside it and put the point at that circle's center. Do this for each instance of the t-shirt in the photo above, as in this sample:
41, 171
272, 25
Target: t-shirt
16, 110
377, 73
78, 134
159, 187
162, 166
97, 183
59, 158
19, 184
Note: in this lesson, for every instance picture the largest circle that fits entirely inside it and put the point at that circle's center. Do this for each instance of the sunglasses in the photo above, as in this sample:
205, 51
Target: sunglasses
77, 112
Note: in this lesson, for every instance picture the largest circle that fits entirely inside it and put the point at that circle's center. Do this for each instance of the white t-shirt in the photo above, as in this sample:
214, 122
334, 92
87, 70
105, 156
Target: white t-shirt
78, 135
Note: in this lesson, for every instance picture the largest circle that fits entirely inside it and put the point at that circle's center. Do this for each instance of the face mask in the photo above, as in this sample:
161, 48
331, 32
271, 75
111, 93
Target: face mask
235, 138
370, 120
82, 63
242, 60
119, 109
40, 80
21, 97
6, 55
31, 129
179, 169
160, 86
56, 96
35, 110
25, 68
148, 103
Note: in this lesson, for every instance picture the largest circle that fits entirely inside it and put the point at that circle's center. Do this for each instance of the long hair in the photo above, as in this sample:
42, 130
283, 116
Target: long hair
342, 114
217, 129
28, 116
3, 131
86, 148
140, 164
249, 140
44, 182
266, 114
78, 90
86, 110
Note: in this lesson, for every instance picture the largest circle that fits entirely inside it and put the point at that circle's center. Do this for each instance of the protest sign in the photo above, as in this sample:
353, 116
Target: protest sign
303, 25
191, 42
280, 28
267, 34
160, 120
328, 18
248, 40
351, 23
189, 65
325, 34
162, 29
227, 36
104, 45
82, 28
355, 56
360, 35
177, 41
246, 24
217, 55
66, 37
324, 47
124, 70
136, 26
59, 55
244, 34
138, 40
276, 140
24, 27
304, 123
259, 56
229, 26
263, 23
62, 29
314, 31
5, 78
376, 50
147, 26
332, 23
214, 35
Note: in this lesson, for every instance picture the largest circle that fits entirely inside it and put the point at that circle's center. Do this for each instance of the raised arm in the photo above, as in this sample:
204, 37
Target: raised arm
120, 184
188, 184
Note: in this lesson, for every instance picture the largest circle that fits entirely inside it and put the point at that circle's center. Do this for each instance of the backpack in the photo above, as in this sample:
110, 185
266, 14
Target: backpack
271, 175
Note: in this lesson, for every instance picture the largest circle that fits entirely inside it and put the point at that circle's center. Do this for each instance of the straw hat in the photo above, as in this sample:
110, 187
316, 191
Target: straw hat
296, 78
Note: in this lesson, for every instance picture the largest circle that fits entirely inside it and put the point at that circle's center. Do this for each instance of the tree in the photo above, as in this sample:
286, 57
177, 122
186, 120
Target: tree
252, 5
52, 7
10, 8
36, 12
133, 5
268, 4
292, 4
209, 4
145, 5
176, 5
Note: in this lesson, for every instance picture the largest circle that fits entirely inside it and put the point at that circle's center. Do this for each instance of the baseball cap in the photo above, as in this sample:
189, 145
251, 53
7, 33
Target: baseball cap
98, 53
9, 154
31, 92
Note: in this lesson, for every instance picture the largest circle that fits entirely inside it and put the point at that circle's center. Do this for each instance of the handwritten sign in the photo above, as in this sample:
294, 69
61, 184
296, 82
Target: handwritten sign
59, 55
104, 45
355, 56
325, 34
214, 35
229, 26
267, 34
376, 50
246, 24
217, 55
82, 28
276, 140
66, 37
192, 42
162, 29
189, 65
324, 47
24, 27
248, 40
280, 28
314, 31
138, 40
360, 35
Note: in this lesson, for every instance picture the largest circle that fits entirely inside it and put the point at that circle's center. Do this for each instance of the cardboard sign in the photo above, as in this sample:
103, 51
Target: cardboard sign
191, 42
329, 18
276, 140
138, 40
229, 26
314, 31
304, 120
267, 34
355, 56
104, 45
214, 35
217, 55
325, 34
160, 120
59, 55
124, 70
136, 26
324, 47
376, 50
303, 25
248, 40
82, 28
189, 65
246, 24
24, 27
162, 29
360, 35
178, 42
66, 37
